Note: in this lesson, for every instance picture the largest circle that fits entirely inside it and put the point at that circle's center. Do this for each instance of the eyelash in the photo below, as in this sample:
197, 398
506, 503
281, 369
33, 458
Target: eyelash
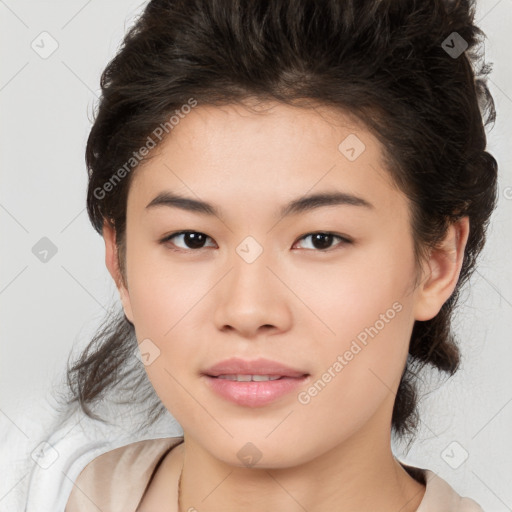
168, 238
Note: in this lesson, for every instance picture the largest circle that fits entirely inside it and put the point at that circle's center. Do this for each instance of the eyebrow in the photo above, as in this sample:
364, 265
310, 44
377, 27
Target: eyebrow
300, 205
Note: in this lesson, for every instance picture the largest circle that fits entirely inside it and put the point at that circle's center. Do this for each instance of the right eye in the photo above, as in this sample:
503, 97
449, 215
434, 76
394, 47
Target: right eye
193, 240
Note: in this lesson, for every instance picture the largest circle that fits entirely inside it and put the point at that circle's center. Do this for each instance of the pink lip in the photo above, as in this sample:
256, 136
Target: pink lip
253, 394
260, 366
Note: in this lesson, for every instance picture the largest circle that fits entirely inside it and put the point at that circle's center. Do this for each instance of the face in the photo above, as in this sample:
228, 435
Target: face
326, 289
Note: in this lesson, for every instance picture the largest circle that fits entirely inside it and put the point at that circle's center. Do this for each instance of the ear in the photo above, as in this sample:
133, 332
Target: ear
443, 270
112, 263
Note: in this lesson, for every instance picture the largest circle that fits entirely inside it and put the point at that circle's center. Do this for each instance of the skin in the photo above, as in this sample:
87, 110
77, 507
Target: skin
296, 304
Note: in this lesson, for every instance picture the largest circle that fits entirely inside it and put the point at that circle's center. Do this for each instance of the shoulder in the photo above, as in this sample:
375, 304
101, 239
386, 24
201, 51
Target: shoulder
116, 480
441, 497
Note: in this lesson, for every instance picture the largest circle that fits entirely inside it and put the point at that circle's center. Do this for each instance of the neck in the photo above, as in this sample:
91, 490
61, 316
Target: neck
359, 474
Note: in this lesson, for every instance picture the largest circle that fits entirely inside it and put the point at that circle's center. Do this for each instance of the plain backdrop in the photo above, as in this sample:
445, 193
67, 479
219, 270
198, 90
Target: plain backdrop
48, 307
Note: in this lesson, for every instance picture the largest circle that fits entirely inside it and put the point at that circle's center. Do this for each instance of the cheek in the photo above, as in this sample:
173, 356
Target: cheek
167, 303
362, 296
358, 371
360, 358
161, 292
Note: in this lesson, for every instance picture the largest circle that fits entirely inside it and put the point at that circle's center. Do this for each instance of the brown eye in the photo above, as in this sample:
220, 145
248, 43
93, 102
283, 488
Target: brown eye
322, 241
191, 239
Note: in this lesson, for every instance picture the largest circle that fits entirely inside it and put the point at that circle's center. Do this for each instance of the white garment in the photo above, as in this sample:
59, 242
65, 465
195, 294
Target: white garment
69, 450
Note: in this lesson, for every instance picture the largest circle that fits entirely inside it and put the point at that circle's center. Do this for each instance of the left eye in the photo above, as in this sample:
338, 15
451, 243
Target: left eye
194, 240
323, 241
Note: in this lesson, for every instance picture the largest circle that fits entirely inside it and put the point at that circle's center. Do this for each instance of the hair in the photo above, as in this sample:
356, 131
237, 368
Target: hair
385, 62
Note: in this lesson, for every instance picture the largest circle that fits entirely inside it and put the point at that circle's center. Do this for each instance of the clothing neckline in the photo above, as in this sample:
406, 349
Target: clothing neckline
421, 475
158, 464
103, 480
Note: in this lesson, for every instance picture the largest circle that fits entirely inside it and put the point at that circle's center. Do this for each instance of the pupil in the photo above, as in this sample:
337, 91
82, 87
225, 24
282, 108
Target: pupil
318, 237
193, 240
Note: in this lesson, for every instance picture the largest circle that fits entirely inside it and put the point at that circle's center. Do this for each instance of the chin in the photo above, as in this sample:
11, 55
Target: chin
259, 453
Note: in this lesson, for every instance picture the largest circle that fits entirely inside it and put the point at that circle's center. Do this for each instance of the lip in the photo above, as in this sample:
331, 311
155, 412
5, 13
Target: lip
259, 366
253, 394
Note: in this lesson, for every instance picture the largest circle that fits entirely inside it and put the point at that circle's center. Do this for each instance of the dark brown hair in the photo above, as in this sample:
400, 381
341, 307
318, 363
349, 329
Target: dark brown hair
411, 70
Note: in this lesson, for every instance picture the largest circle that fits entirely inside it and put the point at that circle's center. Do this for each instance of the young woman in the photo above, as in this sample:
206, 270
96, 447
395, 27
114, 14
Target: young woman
291, 194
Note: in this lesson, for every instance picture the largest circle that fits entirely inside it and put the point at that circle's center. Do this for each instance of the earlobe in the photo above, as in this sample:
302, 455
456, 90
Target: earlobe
112, 263
442, 271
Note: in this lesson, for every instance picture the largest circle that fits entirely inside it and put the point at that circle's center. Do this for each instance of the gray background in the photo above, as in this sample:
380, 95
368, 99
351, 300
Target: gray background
48, 308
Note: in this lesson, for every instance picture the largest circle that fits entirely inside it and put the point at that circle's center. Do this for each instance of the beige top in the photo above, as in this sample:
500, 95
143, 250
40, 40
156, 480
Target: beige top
102, 484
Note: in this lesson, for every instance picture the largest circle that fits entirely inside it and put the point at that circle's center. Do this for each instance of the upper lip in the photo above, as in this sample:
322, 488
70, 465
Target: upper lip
237, 366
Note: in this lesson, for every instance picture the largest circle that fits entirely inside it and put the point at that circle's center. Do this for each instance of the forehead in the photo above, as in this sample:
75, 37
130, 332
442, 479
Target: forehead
273, 152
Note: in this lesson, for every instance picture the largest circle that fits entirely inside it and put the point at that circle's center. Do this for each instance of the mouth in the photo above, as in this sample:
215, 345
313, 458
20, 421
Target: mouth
236, 367
253, 383
249, 378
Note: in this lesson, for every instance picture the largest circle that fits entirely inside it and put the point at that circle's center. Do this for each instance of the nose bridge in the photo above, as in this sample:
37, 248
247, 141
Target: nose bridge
250, 262
249, 298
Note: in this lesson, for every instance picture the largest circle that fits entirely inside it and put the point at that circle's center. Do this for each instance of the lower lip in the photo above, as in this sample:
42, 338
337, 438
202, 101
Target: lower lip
254, 394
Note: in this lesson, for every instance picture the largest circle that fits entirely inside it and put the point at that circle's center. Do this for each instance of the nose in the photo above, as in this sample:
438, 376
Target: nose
252, 299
